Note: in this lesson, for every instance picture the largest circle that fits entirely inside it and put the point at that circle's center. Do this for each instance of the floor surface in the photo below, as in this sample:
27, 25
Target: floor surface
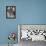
32, 43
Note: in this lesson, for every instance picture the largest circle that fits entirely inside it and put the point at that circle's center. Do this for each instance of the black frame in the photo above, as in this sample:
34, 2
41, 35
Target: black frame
14, 14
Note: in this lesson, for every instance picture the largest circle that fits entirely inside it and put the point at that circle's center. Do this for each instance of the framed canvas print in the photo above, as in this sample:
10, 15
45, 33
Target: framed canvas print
32, 32
10, 12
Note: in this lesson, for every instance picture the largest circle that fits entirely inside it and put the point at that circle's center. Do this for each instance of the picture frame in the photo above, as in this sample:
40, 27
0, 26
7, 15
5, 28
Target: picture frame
10, 12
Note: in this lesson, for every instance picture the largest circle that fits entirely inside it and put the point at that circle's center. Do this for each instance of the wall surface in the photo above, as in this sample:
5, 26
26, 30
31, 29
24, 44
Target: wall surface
27, 12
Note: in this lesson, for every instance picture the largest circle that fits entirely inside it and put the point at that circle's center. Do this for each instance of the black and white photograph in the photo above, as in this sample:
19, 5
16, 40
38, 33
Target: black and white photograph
31, 34
10, 12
